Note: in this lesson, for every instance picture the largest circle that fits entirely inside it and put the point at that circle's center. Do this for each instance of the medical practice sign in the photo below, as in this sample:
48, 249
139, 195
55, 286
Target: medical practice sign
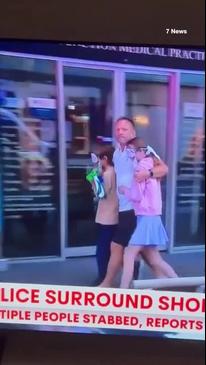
187, 54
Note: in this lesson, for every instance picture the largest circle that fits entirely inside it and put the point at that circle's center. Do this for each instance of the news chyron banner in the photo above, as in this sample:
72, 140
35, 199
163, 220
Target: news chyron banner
69, 306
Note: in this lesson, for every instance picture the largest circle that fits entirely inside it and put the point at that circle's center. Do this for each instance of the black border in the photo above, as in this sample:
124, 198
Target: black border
130, 21
106, 349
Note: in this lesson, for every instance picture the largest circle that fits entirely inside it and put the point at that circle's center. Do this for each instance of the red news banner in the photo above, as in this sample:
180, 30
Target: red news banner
102, 308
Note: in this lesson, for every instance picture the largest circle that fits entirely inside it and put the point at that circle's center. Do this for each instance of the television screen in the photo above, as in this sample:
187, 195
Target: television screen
102, 175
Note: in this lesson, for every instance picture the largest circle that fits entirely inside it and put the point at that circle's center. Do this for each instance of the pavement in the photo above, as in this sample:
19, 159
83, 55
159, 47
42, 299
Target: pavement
82, 271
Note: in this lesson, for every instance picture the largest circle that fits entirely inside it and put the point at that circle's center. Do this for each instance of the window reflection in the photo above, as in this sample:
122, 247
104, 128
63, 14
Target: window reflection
147, 97
29, 158
88, 125
190, 190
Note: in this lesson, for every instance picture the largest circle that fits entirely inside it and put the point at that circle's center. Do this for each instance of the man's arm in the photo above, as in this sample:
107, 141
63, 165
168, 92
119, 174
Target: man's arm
159, 170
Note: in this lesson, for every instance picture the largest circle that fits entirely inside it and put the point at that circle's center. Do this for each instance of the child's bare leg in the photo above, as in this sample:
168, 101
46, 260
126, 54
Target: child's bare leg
159, 266
130, 255
114, 265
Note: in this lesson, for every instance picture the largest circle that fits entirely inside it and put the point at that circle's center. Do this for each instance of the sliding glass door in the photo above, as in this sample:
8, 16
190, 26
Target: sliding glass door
88, 120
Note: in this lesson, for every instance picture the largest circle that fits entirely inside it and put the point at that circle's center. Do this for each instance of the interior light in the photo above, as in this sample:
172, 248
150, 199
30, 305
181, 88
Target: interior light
141, 120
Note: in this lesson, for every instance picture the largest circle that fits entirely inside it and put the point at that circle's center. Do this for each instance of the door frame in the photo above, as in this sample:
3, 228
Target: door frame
119, 108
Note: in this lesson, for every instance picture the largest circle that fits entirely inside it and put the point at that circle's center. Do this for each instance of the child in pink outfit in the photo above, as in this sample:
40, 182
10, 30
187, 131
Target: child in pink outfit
147, 203
146, 196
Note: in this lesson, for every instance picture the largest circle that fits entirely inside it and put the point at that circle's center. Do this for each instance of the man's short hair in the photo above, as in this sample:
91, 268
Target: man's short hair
127, 119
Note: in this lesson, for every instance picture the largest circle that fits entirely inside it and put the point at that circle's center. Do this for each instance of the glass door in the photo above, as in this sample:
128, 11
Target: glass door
190, 164
147, 96
88, 107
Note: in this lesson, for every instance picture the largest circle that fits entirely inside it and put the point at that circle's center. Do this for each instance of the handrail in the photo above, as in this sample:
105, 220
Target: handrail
169, 282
